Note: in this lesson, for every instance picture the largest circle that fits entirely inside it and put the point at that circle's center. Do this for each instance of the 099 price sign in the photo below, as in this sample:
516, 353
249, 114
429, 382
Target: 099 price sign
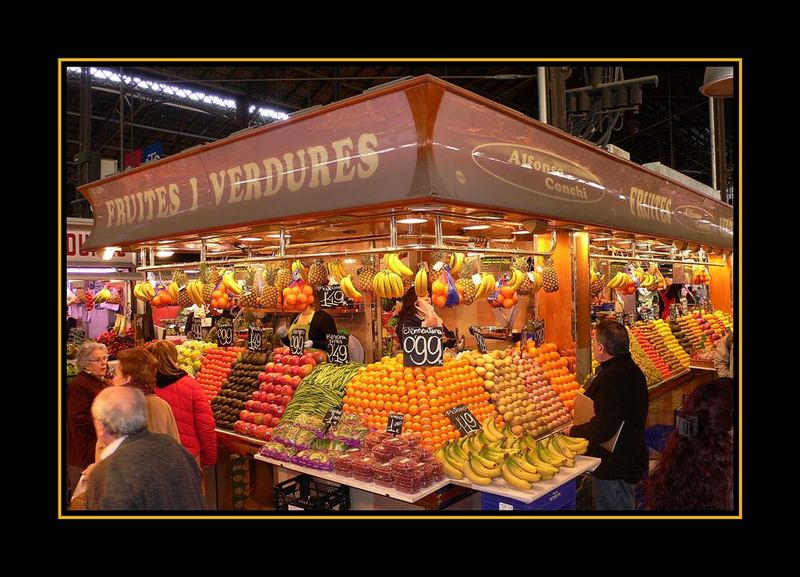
463, 419
422, 347
297, 341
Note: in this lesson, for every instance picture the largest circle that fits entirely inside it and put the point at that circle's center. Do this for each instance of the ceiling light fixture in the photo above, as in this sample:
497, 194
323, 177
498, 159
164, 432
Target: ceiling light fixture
412, 220
109, 252
164, 253
521, 232
488, 215
250, 238
276, 235
477, 227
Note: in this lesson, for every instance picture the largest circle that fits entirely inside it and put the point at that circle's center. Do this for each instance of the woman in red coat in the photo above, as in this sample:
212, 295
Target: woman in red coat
189, 404
93, 363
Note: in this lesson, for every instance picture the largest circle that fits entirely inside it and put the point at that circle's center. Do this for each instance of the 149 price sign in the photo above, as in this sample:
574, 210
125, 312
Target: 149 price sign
337, 349
297, 341
422, 347
463, 419
255, 342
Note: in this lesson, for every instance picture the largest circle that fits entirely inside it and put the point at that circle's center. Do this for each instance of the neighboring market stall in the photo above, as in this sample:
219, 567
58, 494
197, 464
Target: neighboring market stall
373, 194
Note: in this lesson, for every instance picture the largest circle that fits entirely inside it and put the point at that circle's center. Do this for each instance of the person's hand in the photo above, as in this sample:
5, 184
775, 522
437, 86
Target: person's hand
282, 330
308, 344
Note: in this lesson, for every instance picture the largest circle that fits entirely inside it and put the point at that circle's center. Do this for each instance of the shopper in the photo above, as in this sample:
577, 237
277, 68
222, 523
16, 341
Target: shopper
189, 404
419, 312
723, 356
619, 392
695, 472
316, 322
138, 470
137, 368
92, 360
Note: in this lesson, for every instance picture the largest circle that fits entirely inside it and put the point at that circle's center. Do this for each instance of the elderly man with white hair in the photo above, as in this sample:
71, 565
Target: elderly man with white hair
138, 470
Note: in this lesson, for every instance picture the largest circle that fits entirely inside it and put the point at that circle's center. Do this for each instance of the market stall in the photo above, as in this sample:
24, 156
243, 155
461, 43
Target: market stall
406, 184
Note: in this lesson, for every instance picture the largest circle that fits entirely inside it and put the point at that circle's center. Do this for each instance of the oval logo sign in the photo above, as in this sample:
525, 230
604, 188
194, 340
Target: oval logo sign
695, 218
539, 172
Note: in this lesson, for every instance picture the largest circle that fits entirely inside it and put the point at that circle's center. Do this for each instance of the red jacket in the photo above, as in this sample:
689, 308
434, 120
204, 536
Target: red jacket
193, 414
80, 426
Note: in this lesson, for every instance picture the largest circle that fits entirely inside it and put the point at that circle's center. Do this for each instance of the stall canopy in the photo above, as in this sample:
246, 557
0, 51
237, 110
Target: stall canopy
412, 142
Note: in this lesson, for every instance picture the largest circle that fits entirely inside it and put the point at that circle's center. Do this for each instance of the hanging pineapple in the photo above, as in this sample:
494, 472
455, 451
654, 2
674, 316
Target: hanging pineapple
318, 274
366, 274
465, 285
214, 277
549, 276
183, 299
250, 294
208, 286
521, 264
270, 294
596, 282
284, 276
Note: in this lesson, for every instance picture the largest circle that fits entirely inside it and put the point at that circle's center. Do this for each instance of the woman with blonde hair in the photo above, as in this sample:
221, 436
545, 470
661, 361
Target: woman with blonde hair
189, 404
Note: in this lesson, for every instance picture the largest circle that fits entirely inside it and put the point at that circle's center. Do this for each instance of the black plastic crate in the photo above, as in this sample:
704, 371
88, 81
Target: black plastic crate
309, 494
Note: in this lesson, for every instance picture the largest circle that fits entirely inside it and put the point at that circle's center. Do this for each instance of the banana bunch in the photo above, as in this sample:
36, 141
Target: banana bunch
120, 324
194, 288
388, 284
231, 283
456, 262
517, 276
392, 261
337, 271
487, 285
299, 267
102, 296
421, 282
173, 289
144, 291
518, 472
349, 290
619, 280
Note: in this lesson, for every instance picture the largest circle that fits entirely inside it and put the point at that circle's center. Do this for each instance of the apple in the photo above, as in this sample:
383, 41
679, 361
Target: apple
261, 377
278, 368
269, 388
270, 397
308, 360
270, 379
244, 414
261, 431
306, 369
287, 369
264, 408
269, 366
278, 411
278, 358
240, 427
258, 418
295, 381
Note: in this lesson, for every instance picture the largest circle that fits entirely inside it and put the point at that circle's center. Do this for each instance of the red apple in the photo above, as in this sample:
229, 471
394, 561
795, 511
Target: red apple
261, 431
258, 418
278, 411
308, 360
264, 408
278, 358
278, 368
295, 381
240, 427
269, 388
269, 366
305, 370
251, 429
270, 397
244, 414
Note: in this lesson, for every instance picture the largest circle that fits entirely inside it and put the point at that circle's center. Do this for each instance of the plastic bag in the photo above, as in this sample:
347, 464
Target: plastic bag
452, 292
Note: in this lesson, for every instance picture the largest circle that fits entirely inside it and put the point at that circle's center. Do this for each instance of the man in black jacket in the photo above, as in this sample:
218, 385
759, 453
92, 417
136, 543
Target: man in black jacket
619, 392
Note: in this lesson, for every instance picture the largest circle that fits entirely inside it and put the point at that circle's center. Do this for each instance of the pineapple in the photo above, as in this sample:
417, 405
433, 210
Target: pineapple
284, 276
269, 295
318, 274
596, 282
465, 284
366, 274
527, 286
250, 294
205, 278
183, 297
441, 256
549, 277
214, 277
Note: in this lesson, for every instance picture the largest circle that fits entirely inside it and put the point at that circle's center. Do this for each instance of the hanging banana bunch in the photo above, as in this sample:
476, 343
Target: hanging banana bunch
456, 262
348, 288
336, 271
391, 260
421, 280
388, 284
231, 283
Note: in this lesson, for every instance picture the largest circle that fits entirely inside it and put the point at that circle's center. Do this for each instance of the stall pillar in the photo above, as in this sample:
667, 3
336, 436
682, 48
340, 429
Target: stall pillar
719, 290
582, 304
556, 307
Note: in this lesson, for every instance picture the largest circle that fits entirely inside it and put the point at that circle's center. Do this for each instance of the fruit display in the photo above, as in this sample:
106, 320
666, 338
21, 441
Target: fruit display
623, 283
217, 364
660, 346
700, 330
116, 343
276, 382
555, 368
230, 400
700, 274
321, 390
651, 372
191, 354
422, 395
489, 455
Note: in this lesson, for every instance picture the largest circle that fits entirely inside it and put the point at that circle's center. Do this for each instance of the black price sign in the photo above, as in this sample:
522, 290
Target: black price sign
538, 332
197, 328
463, 419
395, 424
620, 318
422, 347
255, 340
297, 341
674, 312
331, 418
225, 334
337, 349
332, 296
476, 332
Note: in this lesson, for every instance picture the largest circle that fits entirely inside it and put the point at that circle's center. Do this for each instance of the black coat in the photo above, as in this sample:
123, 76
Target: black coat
619, 392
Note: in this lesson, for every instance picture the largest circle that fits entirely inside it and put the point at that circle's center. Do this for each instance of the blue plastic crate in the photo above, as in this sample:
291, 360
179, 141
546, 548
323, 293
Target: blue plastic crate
559, 499
655, 437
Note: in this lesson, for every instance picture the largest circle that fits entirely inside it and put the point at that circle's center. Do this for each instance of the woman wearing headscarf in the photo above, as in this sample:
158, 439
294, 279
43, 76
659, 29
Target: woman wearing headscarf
189, 404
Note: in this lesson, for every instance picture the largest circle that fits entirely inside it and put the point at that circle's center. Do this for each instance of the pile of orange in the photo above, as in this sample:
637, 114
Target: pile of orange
439, 292
421, 395
297, 297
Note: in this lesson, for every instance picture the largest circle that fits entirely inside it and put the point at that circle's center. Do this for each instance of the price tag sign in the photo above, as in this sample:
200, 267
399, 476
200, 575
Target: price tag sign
337, 349
674, 313
395, 424
422, 347
197, 328
255, 340
620, 318
463, 419
538, 332
297, 341
331, 418
332, 296
479, 341
225, 333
